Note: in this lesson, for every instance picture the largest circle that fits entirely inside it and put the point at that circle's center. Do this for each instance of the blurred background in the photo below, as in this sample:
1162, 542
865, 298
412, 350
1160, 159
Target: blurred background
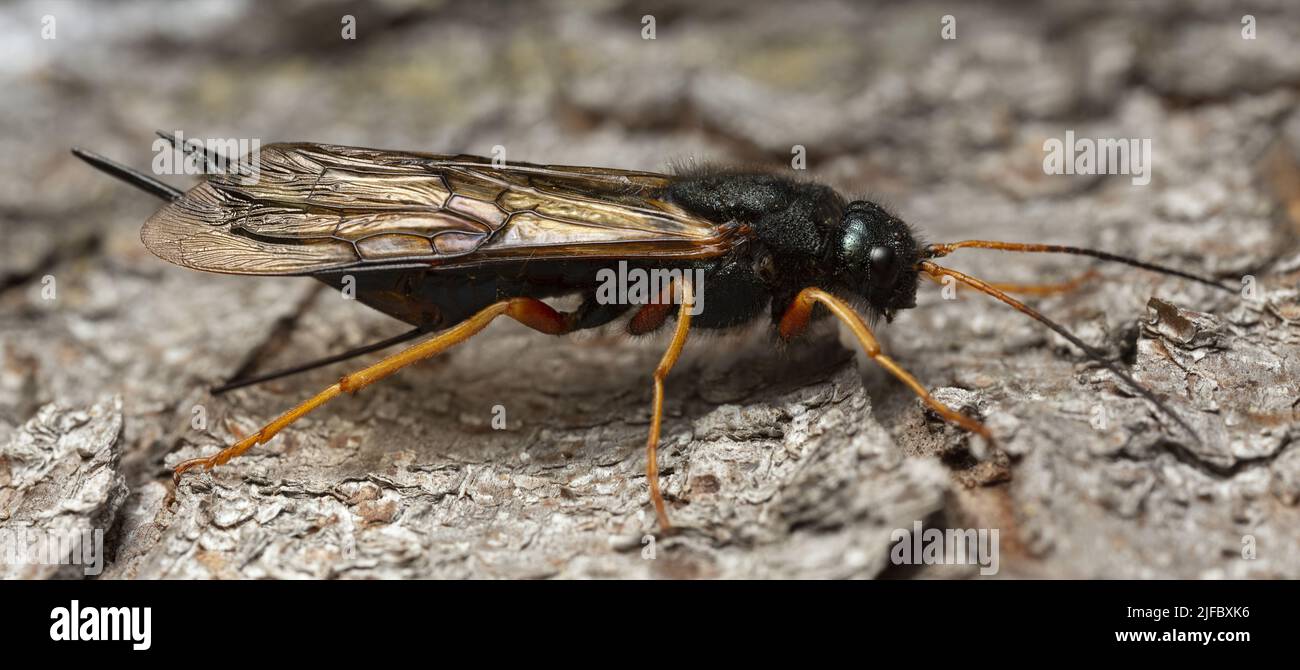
410, 481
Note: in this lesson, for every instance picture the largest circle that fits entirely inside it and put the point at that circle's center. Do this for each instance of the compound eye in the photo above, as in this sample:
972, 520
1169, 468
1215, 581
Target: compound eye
884, 265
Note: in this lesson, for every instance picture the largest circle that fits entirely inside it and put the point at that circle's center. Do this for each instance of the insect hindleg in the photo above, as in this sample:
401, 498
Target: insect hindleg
657, 411
241, 382
796, 318
529, 311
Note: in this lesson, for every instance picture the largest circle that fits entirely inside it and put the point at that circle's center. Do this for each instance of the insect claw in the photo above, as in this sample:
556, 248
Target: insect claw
184, 466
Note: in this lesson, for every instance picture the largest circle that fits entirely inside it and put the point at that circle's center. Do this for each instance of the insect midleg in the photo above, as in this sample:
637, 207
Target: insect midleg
656, 413
529, 311
796, 318
649, 318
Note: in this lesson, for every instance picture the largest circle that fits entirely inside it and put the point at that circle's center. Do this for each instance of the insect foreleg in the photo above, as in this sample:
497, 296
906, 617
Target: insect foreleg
796, 318
529, 311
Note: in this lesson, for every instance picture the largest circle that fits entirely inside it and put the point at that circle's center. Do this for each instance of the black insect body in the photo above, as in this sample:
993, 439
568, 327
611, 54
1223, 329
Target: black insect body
808, 236
449, 243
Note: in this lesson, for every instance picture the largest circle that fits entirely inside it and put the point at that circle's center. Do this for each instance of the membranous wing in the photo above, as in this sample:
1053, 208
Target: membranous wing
310, 208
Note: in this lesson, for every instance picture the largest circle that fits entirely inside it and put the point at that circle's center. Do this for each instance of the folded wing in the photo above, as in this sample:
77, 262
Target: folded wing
311, 208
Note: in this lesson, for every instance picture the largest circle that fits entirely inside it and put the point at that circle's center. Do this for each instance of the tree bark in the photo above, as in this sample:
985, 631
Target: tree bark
776, 461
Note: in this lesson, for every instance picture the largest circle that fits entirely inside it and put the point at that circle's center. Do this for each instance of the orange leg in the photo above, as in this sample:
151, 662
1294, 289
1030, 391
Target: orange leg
531, 312
656, 413
649, 318
795, 320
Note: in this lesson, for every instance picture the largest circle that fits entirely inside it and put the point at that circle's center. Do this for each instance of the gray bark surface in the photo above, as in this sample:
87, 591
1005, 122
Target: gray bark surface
778, 460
